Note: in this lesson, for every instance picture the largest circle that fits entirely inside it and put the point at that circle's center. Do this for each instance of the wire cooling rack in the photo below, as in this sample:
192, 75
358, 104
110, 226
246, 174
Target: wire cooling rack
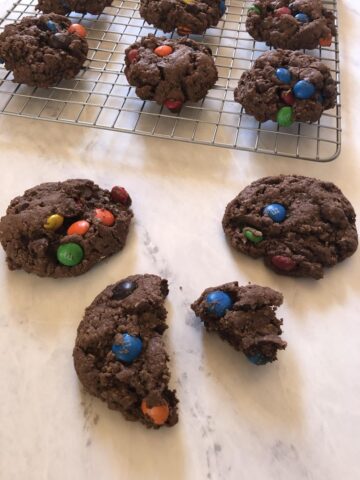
101, 97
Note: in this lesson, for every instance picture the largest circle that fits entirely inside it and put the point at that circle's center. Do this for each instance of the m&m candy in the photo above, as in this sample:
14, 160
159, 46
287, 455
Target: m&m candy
77, 29
123, 290
129, 349
283, 11
163, 50
2, 61
70, 254
54, 222
326, 42
254, 9
302, 17
303, 89
283, 263
133, 55
173, 105
183, 30
287, 97
218, 302
104, 216
78, 228
51, 26
60, 40
254, 236
222, 7
157, 414
276, 212
283, 75
120, 195
284, 117
257, 359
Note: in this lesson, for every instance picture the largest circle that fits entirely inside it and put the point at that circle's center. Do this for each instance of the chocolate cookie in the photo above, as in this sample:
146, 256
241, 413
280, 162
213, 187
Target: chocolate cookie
185, 16
41, 51
244, 317
62, 7
170, 71
120, 355
286, 86
299, 24
63, 229
299, 225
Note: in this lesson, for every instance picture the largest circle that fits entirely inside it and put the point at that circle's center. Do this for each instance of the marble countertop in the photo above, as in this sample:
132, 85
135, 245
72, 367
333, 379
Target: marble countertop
295, 419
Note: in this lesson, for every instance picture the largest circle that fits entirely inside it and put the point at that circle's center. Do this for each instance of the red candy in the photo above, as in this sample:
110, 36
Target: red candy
163, 50
183, 30
283, 263
104, 216
120, 195
133, 55
78, 30
326, 42
173, 105
78, 228
158, 414
283, 11
288, 97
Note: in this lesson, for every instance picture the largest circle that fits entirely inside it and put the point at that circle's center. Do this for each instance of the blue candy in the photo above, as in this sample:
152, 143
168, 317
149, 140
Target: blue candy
283, 75
218, 302
302, 17
2, 61
51, 26
303, 90
222, 7
276, 212
129, 349
257, 359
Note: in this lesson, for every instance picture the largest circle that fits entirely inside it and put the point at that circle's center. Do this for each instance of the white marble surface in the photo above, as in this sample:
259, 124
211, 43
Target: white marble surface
296, 419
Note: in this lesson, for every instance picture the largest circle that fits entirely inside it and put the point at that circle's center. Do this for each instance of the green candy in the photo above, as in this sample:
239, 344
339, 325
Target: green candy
253, 236
254, 9
285, 117
70, 254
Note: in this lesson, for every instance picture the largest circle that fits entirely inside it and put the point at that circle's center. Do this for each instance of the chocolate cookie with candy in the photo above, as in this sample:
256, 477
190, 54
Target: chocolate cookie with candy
299, 225
286, 86
63, 229
245, 317
185, 16
170, 71
62, 7
291, 24
120, 356
41, 51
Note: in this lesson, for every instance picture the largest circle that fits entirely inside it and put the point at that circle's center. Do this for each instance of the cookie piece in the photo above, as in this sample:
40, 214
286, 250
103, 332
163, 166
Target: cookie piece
63, 229
295, 25
244, 317
120, 355
62, 7
41, 51
170, 71
185, 16
286, 86
299, 225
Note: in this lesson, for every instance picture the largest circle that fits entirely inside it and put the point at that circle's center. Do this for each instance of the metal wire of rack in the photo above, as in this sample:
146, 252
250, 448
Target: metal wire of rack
100, 96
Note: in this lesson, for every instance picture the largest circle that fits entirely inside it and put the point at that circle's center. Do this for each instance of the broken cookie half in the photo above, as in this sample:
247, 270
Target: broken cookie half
245, 317
120, 355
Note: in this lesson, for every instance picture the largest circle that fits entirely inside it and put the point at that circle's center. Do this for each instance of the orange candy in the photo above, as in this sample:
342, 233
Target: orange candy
78, 30
325, 42
158, 414
182, 30
78, 228
163, 50
104, 216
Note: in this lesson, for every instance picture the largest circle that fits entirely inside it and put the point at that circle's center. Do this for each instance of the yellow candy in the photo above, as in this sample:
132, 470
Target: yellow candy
189, 2
54, 222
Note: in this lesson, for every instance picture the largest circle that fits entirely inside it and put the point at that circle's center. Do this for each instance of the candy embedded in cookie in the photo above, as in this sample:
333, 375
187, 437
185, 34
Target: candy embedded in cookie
245, 318
295, 25
41, 51
63, 229
63, 7
170, 71
298, 225
120, 356
286, 87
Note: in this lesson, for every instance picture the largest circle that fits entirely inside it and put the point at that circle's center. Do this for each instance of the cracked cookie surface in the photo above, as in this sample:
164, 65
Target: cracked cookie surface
62, 7
63, 229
